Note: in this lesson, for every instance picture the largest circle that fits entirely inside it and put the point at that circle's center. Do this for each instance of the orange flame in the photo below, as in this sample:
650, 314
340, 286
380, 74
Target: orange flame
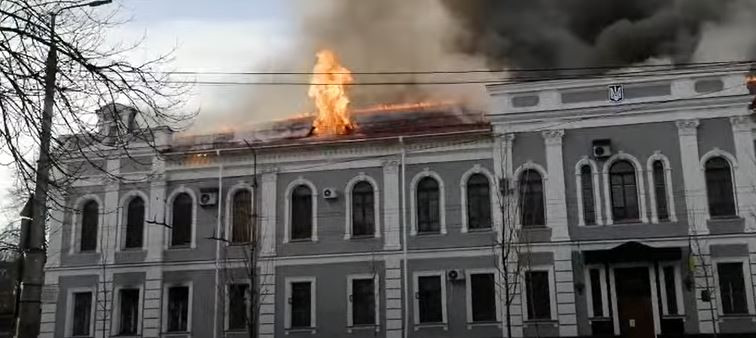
408, 106
328, 87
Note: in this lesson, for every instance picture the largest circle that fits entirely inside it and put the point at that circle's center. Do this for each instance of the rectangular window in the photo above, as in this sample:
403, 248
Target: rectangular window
732, 288
128, 312
670, 289
483, 297
178, 309
301, 304
82, 314
363, 301
538, 295
237, 306
429, 296
597, 299
660, 191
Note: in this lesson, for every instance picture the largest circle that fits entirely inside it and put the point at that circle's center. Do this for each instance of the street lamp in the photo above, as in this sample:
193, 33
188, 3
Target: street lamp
34, 255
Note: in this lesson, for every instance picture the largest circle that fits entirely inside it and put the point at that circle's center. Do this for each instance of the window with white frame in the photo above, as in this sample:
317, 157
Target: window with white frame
733, 295
80, 313
587, 193
660, 191
241, 216
481, 297
362, 294
478, 202
430, 298
128, 311
134, 223
300, 303
363, 209
428, 206
596, 283
301, 213
178, 302
532, 211
624, 191
538, 297
719, 188
237, 306
671, 290
90, 215
181, 220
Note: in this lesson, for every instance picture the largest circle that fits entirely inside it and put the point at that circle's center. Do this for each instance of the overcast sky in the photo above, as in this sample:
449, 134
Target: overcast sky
206, 35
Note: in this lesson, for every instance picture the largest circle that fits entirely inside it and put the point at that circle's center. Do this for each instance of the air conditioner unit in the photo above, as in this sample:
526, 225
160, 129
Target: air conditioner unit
208, 198
455, 275
330, 193
602, 148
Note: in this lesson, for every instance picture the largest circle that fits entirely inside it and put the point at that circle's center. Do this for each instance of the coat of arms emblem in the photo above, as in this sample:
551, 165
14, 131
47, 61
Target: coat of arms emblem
616, 93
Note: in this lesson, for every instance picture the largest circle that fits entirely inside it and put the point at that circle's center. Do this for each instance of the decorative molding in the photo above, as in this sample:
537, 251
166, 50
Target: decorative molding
669, 190
169, 215
639, 184
595, 177
478, 169
426, 172
362, 177
687, 127
553, 137
716, 152
287, 209
741, 123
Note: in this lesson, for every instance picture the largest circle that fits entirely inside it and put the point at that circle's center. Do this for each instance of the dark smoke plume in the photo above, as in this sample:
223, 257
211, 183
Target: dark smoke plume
588, 33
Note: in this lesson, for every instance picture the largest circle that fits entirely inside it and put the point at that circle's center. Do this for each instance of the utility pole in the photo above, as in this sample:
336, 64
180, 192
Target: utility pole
34, 258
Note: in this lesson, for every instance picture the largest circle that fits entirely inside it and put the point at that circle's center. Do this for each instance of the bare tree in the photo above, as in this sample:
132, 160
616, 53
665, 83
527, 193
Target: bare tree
71, 99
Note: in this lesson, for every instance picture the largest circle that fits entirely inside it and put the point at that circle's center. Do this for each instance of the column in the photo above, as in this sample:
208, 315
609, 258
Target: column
565, 292
268, 212
556, 204
391, 207
695, 187
151, 312
745, 173
48, 309
267, 298
394, 318
104, 304
109, 227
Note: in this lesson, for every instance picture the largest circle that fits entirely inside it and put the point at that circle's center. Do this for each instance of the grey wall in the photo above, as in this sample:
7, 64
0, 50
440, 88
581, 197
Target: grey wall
203, 281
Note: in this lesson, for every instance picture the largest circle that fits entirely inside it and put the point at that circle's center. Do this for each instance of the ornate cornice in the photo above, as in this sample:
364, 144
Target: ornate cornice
553, 137
687, 127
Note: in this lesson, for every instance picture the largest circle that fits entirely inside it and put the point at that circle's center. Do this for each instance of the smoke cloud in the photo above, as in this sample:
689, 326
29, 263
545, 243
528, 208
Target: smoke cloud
584, 33
431, 35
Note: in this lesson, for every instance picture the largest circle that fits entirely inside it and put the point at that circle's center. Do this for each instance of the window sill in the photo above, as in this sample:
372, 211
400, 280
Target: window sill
534, 227
302, 240
367, 327
480, 230
599, 319
444, 326
139, 249
238, 244
429, 234
176, 333
310, 330
483, 324
529, 322
626, 222
180, 247
362, 237
736, 315
683, 317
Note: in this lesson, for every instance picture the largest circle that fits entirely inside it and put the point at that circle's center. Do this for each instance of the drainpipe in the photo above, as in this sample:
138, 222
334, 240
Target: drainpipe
218, 239
404, 239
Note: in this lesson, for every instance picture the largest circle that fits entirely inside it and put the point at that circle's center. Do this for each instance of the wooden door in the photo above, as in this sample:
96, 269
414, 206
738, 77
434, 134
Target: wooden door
634, 307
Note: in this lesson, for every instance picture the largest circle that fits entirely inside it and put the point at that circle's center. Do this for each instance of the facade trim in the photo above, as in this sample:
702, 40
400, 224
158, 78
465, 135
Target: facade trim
441, 200
362, 177
640, 186
228, 228
658, 156
76, 218
288, 205
595, 174
123, 207
478, 169
169, 217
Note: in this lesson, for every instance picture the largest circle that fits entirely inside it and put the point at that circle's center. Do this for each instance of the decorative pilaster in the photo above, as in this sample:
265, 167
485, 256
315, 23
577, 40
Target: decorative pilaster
268, 212
745, 172
267, 309
152, 302
695, 186
110, 208
391, 205
393, 287
508, 160
565, 292
556, 204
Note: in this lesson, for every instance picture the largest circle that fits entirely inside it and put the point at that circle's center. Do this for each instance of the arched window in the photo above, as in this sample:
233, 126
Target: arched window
89, 219
531, 198
428, 208
181, 229
624, 191
363, 213
660, 191
719, 187
586, 186
241, 222
478, 202
134, 223
301, 213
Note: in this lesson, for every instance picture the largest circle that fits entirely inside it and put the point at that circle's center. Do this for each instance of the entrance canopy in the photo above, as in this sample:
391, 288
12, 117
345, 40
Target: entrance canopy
632, 252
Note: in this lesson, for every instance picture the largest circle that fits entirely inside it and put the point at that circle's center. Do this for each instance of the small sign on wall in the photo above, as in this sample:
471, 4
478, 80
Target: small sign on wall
616, 93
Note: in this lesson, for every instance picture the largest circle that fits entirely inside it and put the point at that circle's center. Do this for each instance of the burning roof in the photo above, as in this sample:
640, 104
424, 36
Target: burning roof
371, 123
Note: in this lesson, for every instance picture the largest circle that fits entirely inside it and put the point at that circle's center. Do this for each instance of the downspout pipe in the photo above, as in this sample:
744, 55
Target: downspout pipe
219, 236
405, 270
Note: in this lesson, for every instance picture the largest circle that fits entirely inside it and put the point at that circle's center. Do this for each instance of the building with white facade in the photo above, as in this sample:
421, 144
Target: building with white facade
636, 200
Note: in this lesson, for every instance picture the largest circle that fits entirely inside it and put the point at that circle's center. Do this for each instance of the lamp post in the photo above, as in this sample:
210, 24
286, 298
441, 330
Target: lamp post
34, 253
